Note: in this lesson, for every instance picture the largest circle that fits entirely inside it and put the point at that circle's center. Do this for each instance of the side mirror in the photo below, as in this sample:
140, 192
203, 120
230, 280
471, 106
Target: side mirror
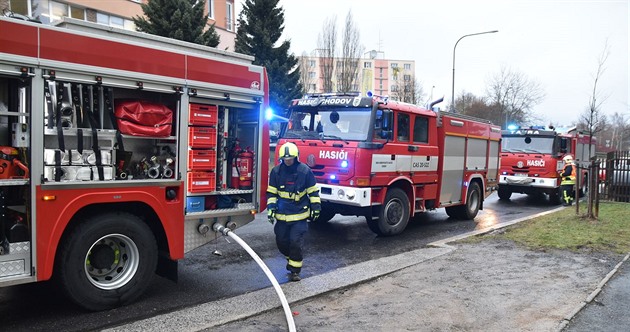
386, 134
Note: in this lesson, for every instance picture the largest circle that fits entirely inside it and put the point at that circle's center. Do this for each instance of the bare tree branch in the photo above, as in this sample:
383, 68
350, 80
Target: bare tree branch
326, 49
350, 55
515, 95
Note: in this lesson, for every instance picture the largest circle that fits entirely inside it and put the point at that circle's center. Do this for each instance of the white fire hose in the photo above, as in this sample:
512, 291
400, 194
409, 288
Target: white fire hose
285, 305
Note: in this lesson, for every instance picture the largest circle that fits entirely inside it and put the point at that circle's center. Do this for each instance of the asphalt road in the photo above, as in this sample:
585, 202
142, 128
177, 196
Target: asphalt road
221, 270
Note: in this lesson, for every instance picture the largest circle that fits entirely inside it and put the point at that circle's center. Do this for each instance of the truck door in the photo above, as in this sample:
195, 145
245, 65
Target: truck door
403, 156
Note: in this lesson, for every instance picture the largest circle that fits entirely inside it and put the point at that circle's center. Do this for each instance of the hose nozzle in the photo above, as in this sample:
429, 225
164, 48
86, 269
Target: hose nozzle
220, 228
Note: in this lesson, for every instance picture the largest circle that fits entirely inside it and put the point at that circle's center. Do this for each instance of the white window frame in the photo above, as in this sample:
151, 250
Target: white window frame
210, 9
229, 18
407, 66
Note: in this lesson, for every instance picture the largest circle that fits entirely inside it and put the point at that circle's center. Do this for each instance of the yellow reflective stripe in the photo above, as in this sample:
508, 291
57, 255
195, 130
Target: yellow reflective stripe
315, 199
312, 189
272, 190
272, 200
293, 217
291, 196
295, 263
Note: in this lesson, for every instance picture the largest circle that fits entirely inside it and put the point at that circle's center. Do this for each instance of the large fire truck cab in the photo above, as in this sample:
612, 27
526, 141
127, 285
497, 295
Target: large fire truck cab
114, 157
387, 160
531, 158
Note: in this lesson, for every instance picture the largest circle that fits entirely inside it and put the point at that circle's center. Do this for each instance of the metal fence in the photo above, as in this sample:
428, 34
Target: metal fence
614, 176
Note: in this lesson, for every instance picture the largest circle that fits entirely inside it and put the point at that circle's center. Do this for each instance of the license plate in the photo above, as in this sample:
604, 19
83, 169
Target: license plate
520, 174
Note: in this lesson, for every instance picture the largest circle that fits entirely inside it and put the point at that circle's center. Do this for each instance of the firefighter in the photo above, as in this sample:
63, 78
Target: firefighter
292, 201
568, 180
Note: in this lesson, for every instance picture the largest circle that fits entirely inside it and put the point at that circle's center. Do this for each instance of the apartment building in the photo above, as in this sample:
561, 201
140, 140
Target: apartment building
374, 73
118, 13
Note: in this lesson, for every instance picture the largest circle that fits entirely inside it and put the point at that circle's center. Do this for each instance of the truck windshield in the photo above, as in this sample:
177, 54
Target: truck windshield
348, 124
528, 144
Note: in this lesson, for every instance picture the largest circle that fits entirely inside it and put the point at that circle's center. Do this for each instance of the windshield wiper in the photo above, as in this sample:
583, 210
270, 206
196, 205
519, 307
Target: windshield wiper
334, 137
532, 151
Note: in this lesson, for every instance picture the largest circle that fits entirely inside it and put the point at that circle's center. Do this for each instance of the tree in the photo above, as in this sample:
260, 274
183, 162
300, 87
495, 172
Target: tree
408, 89
326, 47
592, 120
261, 23
351, 50
178, 19
515, 95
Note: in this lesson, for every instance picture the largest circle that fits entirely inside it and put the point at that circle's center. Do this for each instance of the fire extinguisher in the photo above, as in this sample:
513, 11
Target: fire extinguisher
245, 166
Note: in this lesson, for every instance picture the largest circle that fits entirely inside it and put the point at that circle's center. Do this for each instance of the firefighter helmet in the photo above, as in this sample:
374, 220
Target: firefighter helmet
288, 150
568, 158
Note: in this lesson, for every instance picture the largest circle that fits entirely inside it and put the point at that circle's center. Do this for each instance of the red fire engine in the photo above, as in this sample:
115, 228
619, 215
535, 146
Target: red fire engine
387, 160
114, 154
532, 156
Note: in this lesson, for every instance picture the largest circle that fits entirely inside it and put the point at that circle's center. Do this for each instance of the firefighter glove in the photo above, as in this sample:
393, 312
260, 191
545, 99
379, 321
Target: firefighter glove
314, 215
271, 216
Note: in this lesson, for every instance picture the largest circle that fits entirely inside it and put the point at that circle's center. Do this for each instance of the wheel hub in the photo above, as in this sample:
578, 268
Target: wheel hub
394, 212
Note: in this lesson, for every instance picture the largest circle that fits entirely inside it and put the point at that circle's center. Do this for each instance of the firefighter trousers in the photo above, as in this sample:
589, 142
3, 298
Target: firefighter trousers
289, 239
567, 193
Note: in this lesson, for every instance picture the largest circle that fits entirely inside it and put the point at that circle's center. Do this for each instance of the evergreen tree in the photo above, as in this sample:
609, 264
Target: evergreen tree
260, 25
177, 19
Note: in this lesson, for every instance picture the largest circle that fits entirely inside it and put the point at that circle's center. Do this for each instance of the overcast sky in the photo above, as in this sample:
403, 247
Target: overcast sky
556, 43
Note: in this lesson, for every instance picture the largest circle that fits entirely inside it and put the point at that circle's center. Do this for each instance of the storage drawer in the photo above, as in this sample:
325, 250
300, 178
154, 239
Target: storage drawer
201, 182
203, 115
202, 159
202, 137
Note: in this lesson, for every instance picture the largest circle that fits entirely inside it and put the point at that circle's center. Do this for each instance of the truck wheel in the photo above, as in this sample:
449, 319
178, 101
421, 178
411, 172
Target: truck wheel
469, 210
326, 214
107, 261
473, 202
504, 193
555, 197
394, 214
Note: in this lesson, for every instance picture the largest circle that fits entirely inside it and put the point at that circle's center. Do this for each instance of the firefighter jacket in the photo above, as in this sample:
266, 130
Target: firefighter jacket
292, 192
568, 174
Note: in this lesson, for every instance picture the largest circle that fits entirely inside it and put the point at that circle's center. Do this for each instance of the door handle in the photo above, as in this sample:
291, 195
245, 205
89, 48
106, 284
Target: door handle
412, 148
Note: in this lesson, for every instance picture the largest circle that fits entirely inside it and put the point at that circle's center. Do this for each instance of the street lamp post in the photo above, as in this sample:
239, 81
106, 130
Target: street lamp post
454, 48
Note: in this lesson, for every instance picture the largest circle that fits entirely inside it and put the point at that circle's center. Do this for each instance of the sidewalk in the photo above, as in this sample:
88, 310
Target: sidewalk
485, 286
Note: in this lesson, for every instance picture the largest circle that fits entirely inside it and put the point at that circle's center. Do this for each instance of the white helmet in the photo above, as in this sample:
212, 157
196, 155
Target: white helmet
568, 158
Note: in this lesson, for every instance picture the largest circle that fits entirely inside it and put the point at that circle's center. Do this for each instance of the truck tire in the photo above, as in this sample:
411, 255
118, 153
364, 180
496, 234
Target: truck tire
394, 214
555, 197
325, 214
469, 210
107, 261
504, 193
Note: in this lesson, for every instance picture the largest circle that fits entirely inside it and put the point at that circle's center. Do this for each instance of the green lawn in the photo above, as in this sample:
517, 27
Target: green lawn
566, 230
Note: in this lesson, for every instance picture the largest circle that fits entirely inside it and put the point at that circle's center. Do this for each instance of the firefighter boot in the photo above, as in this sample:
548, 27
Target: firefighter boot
294, 276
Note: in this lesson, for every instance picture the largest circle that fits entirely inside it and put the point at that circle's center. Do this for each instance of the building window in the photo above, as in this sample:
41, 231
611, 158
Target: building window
228, 16
114, 21
58, 10
367, 65
395, 77
311, 74
311, 63
380, 72
394, 88
20, 7
407, 66
210, 5
407, 78
313, 87
394, 65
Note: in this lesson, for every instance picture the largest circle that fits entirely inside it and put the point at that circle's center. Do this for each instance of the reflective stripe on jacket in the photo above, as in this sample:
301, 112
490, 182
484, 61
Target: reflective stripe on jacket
568, 175
292, 191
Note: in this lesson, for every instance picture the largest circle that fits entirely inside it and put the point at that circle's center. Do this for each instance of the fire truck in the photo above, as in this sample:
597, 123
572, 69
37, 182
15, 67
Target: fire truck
114, 155
531, 158
389, 161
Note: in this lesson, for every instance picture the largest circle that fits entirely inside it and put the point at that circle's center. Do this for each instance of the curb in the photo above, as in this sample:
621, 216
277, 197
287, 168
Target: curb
567, 319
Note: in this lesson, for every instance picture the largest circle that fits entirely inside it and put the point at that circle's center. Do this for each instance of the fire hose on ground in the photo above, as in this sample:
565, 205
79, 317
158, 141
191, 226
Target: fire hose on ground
285, 305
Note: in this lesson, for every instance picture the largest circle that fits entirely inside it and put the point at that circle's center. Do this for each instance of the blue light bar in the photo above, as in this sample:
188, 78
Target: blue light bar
268, 114
333, 176
344, 164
